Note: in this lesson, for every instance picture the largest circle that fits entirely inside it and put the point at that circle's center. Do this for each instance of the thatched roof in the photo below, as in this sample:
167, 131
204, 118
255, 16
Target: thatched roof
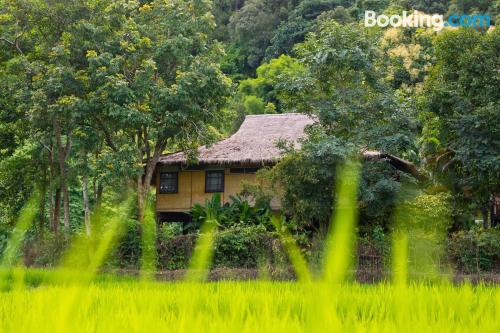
254, 143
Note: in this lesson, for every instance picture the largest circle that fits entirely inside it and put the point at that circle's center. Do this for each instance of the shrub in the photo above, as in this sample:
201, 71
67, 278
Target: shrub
127, 252
245, 247
475, 250
45, 250
238, 212
175, 253
169, 230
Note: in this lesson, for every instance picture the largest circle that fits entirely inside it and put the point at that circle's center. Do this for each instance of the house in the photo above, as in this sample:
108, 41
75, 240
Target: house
223, 166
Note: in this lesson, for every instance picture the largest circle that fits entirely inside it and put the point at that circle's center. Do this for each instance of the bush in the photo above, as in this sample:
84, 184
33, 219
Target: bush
127, 252
175, 253
45, 250
246, 247
475, 250
170, 230
237, 213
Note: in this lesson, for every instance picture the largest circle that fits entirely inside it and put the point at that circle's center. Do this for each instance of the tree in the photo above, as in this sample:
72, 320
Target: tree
161, 86
462, 99
301, 21
49, 90
265, 85
252, 26
344, 85
343, 82
139, 79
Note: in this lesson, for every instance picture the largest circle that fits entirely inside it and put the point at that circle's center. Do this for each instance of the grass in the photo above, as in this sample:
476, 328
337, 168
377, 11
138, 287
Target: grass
75, 298
135, 306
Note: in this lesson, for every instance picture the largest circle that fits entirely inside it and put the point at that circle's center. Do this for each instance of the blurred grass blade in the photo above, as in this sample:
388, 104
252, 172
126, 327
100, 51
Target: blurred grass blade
298, 261
87, 253
9, 263
400, 258
421, 223
203, 251
107, 231
28, 213
148, 242
340, 239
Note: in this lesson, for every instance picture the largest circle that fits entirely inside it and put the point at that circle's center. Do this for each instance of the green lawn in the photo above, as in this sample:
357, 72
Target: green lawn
135, 306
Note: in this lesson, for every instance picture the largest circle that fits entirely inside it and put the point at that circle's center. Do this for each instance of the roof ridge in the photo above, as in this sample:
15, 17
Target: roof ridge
276, 114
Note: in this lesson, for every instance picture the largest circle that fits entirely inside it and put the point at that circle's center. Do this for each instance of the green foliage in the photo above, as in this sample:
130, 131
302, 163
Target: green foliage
15, 183
128, 251
236, 213
175, 253
252, 26
380, 186
45, 250
97, 95
430, 7
300, 22
170, 230
265, 86
91, 93
254, 105
462, 99
344, 86
245, 246
307, 179
429, 212
475, 250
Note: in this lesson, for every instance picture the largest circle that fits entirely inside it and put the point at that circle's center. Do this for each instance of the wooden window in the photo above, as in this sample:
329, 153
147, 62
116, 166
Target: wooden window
169, 182
214, 181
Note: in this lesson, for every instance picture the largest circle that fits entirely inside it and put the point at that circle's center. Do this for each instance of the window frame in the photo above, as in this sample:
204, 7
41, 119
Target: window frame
176, 182
221, 172
243, 170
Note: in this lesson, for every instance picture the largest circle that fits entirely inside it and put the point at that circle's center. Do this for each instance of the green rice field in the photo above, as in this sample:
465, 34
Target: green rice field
134, 306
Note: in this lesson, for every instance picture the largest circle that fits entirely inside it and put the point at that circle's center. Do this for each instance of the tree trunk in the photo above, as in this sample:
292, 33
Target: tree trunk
97, 187
144, 182
43, 202
100, 189
62, 155
143, 187
57, 208
65, 204
53, 203
141, 197
86, 206
51, 210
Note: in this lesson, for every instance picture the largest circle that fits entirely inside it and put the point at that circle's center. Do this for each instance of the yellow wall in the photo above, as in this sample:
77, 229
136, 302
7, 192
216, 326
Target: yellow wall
192, 190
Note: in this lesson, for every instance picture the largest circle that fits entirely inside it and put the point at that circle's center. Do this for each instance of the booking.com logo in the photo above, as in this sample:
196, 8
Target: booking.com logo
418, 19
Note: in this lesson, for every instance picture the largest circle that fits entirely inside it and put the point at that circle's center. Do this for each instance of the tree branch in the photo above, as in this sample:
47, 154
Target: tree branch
107, 135
15, 43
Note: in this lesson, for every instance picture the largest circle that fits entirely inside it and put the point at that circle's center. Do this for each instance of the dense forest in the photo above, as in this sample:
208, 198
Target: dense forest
93, 92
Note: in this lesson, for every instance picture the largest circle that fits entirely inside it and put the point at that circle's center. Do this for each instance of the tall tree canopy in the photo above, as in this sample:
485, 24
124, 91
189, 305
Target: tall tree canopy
462, 98
116, 82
